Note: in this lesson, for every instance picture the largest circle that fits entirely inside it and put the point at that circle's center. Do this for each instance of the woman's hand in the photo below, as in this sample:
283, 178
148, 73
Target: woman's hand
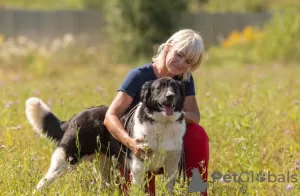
112, 122
139, 149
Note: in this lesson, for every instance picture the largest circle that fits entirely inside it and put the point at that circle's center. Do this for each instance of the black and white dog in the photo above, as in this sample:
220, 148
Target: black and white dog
158, 119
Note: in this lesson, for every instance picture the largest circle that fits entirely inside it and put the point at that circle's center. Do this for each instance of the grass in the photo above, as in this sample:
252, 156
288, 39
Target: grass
250, 112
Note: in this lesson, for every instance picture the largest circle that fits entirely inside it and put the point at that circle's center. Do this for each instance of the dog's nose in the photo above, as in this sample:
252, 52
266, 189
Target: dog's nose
170, 96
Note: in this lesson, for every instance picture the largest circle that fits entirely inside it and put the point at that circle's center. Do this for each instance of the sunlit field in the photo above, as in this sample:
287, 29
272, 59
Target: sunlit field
250, 112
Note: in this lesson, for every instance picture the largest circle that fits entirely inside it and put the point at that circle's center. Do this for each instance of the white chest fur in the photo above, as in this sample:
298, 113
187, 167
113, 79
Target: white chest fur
163, 135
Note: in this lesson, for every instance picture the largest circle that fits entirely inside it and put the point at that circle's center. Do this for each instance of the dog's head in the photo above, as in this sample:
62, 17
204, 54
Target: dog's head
164, 95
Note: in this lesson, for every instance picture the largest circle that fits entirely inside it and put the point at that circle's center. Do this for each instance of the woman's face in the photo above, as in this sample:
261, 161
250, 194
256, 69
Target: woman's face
176, 62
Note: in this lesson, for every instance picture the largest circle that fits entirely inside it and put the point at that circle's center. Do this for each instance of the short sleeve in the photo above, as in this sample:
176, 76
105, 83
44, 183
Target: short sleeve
190, 87
131, 83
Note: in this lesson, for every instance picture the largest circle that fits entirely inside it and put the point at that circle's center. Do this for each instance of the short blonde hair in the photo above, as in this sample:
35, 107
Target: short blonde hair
186, 40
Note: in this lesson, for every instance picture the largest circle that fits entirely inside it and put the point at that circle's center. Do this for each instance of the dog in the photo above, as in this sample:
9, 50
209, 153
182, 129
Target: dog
158, 119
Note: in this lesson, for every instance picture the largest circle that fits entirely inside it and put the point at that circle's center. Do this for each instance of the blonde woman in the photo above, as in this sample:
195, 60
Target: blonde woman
178, 57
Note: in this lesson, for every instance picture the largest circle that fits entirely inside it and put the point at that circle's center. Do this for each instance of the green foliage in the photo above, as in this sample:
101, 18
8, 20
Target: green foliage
193, 5
44, 4
281, 40
278, 41
93, 4
135, 26
237, 55
236, 6
246, 5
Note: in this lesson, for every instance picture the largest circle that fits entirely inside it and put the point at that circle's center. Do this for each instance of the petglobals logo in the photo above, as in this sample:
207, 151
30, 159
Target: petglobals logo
266, 176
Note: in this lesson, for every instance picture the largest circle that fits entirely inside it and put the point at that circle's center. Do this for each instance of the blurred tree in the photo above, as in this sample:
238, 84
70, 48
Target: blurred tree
135, 26
93, 4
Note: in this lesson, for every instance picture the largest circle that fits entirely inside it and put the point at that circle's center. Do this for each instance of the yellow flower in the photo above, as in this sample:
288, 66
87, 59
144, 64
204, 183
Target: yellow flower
249, 33
1, 38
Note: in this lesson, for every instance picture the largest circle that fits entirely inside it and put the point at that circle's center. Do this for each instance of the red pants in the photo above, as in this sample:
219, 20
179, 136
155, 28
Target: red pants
196, 148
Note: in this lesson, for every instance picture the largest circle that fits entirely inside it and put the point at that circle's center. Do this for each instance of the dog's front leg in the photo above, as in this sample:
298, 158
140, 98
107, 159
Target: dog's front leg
171, 169
137, 173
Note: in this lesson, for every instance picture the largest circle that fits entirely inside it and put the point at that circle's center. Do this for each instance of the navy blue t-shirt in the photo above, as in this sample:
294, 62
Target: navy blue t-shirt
135, 79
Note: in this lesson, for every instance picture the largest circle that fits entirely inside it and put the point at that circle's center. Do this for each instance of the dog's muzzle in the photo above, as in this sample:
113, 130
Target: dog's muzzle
167, 105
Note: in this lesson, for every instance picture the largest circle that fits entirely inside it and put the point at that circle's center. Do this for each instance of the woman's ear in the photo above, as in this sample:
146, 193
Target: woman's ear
168, 47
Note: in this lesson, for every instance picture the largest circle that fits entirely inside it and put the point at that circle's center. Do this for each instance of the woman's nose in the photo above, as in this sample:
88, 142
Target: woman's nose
182, 63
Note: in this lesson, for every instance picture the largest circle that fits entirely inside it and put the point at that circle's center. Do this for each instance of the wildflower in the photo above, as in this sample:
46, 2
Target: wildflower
99, 89
50, 103
221, 180
297, 162
246, 84
36, 92
2, 147
16, 78
8, 105
279, 88
2, 83
237, 101
289, 187
207, 94
22, 40
1, 38
55, 45
16, 127
67, 40
296, 101
287, 132
239, 140
91, 50
249, 33
277, 65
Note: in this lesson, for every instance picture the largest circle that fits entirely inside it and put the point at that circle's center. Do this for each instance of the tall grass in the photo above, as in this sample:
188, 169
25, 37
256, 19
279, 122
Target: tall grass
250, 112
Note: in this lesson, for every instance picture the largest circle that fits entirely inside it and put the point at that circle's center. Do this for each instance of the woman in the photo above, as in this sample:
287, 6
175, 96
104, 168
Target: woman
180, 55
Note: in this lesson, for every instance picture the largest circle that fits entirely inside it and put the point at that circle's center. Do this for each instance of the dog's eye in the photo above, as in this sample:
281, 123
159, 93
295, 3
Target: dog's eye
159, 87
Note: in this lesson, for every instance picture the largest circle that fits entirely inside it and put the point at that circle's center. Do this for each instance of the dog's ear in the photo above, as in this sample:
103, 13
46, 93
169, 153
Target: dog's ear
146, 91
182, 89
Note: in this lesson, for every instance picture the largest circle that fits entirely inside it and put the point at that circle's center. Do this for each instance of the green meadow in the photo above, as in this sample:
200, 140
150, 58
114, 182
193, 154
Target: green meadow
251, 113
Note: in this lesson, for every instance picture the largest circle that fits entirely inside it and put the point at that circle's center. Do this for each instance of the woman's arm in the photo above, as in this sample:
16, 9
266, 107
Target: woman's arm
112, 118
112, 122
191, 111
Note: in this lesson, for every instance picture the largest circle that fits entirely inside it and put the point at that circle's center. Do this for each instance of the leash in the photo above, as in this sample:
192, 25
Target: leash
182, 166
129, 115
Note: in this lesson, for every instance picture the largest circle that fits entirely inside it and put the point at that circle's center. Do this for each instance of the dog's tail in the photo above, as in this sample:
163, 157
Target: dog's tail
44, 122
